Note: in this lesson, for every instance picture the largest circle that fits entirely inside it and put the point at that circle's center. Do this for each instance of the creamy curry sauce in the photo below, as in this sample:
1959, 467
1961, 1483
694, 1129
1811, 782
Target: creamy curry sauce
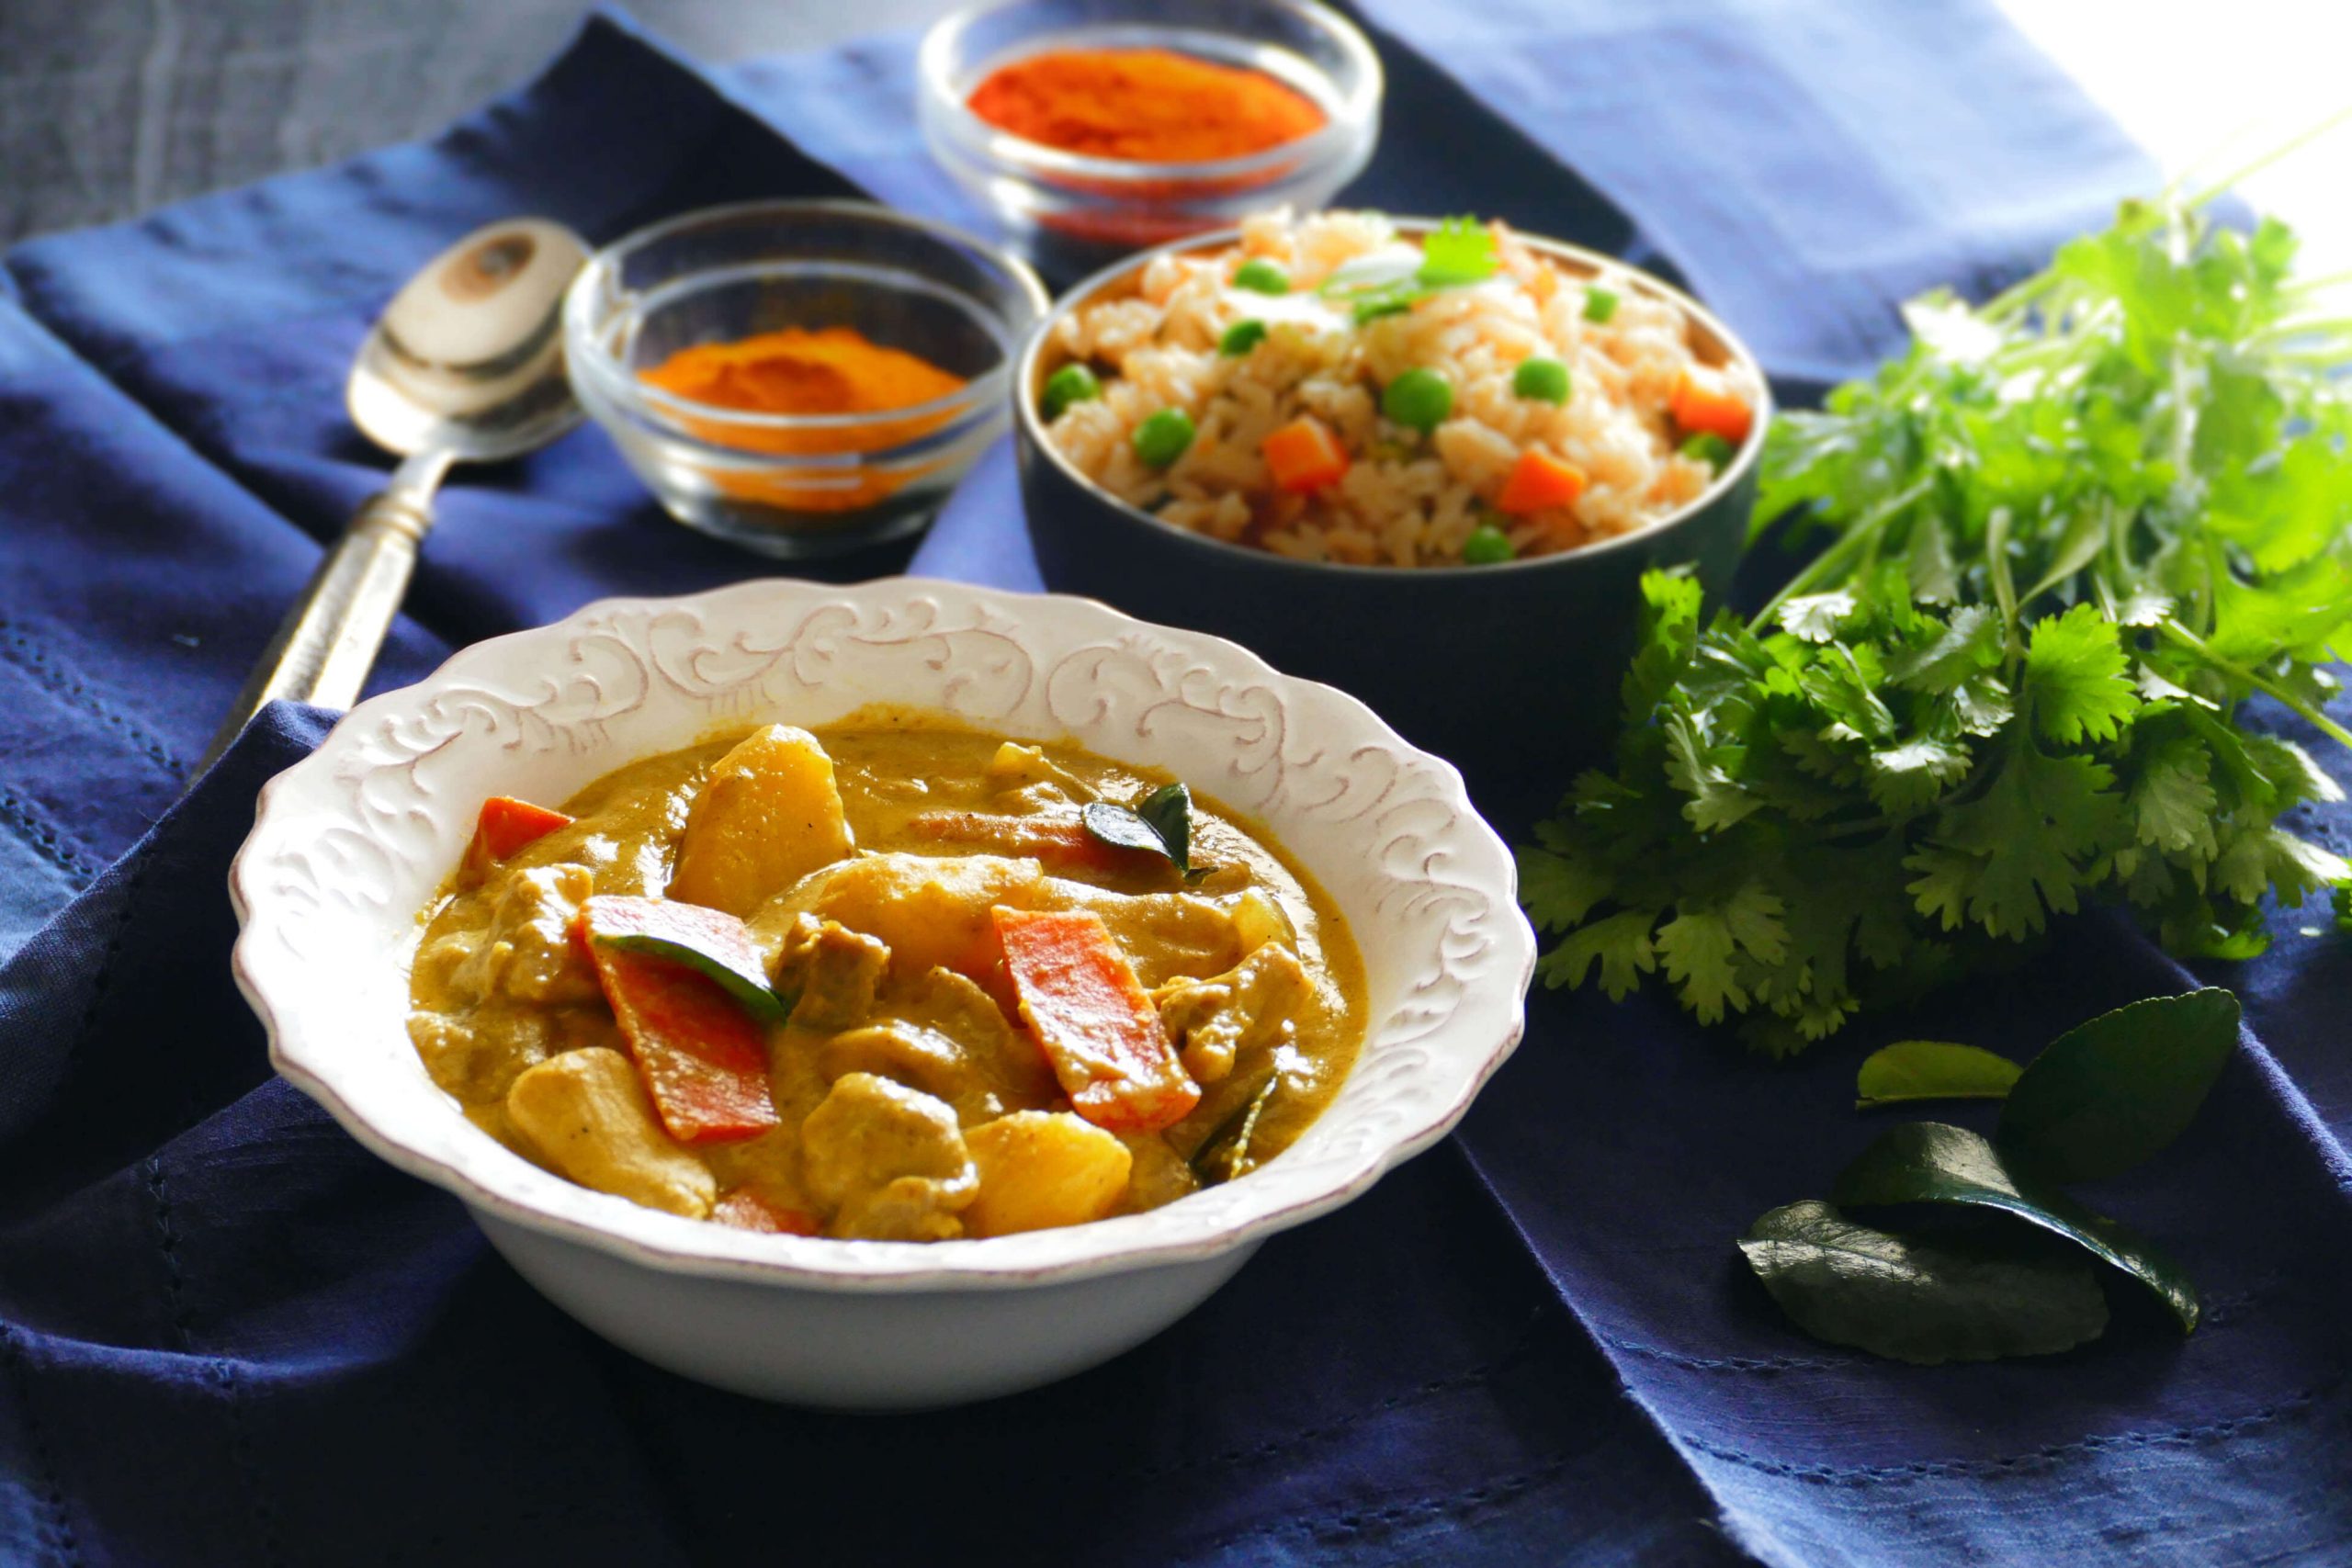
917, 1086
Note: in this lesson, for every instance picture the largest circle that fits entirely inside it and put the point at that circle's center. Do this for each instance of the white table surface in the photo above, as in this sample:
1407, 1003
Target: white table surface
2209, 86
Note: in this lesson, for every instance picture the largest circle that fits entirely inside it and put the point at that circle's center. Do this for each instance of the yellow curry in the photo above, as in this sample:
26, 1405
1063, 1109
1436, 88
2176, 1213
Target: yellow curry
890, 980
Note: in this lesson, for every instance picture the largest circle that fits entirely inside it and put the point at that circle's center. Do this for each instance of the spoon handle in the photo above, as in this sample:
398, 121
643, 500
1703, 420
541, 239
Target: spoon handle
328, 642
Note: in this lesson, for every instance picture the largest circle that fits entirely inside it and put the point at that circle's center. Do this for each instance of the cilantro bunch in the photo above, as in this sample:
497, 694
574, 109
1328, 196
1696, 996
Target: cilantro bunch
2069, 535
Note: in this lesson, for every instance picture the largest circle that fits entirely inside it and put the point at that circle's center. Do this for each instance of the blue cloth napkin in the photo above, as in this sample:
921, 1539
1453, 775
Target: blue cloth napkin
229, 1334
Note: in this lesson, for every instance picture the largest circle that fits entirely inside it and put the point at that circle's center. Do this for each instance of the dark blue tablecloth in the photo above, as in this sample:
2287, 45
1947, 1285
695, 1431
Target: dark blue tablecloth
229, 1336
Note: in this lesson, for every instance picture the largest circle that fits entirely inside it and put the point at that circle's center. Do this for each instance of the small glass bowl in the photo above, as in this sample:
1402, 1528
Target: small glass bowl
1071, 213
800, 485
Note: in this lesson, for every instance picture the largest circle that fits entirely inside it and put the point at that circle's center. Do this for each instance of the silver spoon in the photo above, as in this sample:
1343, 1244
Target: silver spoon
465, 366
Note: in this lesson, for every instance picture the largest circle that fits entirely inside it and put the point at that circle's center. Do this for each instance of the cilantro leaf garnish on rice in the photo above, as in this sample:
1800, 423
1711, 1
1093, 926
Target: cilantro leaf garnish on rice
1458, 252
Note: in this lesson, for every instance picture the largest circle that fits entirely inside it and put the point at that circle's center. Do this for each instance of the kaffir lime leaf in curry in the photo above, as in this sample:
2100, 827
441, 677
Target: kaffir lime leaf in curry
711, 942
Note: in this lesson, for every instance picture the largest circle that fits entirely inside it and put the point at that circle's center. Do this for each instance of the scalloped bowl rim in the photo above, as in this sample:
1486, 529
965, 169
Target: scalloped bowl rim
1485, 1028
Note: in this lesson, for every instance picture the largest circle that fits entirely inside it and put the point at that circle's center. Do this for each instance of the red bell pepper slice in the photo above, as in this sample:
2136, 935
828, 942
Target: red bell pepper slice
711, 942
507, 827
745, 1210
1080, 997
704, 1058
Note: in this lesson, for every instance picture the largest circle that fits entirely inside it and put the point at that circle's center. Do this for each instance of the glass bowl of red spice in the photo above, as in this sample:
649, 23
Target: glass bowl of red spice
800, 377
1091, 128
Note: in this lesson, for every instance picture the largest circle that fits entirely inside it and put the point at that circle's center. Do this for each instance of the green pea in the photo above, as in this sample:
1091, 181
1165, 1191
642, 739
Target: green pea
1262, 277
1070, 384
1599, 304
1161, 439
1542, 381
1419, 399
1709, 449
1240, 338
1487, 545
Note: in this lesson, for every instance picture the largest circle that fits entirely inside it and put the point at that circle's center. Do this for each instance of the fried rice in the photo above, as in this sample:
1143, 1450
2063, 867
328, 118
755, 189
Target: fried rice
1407, 497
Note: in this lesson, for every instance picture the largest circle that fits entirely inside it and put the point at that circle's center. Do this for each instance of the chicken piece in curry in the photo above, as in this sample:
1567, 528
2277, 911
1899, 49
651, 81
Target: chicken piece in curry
891, 981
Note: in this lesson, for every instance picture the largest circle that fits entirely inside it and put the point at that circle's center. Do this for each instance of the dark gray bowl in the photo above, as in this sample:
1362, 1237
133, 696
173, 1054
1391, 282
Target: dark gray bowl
1512, 671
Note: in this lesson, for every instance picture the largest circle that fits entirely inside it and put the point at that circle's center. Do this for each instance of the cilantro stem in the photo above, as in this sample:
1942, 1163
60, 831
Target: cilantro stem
1832, 561
2044, 355
2288, 340
1868, 825
2183, 415
2217, 571
2304, 288
2292, 144
2332, 357
2308, 326
1996, 566
2181, 635
2012, 301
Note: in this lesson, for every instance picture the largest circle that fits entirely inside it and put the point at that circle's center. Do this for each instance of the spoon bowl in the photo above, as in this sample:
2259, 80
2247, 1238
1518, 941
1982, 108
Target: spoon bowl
465, 366
468, 358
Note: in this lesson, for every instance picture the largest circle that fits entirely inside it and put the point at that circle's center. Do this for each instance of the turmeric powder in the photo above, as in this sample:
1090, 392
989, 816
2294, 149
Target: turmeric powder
1149, 105
796, 370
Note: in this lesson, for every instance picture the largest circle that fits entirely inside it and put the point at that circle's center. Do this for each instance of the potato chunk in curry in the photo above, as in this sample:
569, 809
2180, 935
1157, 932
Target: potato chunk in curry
767, 815
843, 1041
1041, 1168
587, 1116
932, 911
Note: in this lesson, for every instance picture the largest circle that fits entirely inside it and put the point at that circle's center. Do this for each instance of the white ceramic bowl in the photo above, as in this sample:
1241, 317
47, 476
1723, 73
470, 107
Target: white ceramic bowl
350, 842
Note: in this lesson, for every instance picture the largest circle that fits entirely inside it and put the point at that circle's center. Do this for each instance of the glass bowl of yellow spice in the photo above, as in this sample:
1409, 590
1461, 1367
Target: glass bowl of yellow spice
800, 377
1090, 129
